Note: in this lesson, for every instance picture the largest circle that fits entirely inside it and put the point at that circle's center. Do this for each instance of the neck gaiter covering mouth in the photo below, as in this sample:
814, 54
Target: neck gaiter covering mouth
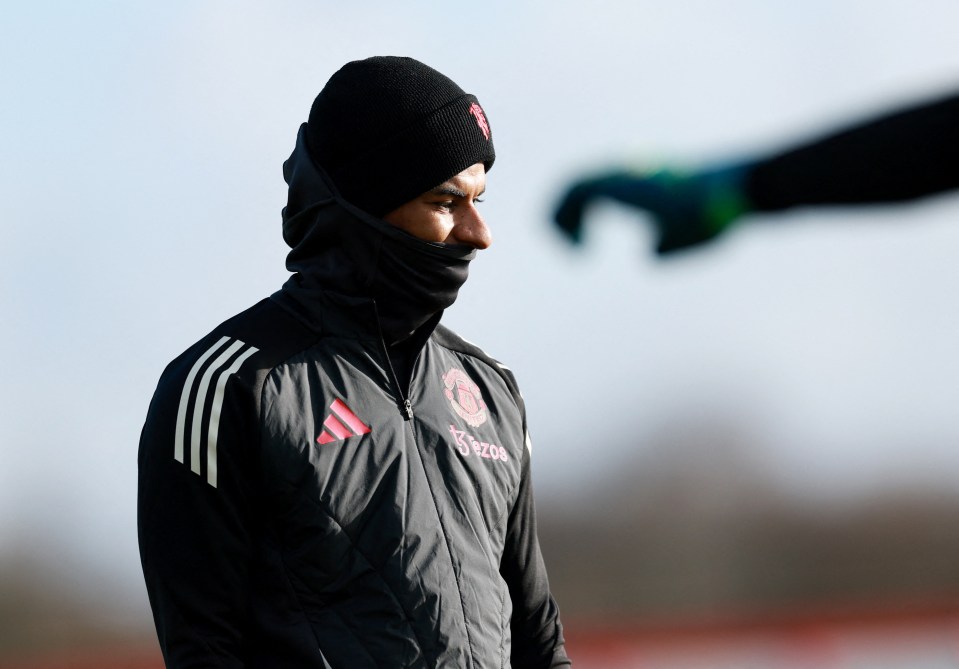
412, 280
409, 280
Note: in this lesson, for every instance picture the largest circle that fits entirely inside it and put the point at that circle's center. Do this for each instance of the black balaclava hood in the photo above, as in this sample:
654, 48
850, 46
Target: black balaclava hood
381, 132
339, 248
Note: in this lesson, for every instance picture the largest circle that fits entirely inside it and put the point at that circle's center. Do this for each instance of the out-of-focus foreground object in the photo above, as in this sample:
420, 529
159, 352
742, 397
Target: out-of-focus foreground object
897, 157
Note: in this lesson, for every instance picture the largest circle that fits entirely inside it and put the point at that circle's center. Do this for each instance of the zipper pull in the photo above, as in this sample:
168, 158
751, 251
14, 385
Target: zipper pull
408, 408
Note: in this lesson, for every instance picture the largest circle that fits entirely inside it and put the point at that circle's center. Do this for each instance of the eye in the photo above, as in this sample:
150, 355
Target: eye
477, 200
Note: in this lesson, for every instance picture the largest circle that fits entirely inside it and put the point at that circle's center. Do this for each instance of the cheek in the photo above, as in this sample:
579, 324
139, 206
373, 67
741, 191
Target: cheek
422, 221
430, 227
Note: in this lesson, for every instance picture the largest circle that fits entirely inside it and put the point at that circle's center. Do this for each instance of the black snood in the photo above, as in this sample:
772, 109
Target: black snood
340, 248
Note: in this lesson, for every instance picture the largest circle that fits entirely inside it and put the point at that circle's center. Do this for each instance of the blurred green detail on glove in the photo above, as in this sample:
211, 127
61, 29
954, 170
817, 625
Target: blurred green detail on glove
686, 209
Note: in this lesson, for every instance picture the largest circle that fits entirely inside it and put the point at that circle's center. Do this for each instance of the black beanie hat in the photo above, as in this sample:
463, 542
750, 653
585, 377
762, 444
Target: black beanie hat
387, 129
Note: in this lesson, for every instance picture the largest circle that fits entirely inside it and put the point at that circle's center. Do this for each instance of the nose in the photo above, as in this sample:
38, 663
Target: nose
471, 229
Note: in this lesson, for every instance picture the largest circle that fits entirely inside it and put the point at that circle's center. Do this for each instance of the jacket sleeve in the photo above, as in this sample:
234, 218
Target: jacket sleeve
897, 156
195, 515
536, 629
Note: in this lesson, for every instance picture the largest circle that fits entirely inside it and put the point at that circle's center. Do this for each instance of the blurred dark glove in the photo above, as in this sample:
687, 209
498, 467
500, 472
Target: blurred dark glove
686, 209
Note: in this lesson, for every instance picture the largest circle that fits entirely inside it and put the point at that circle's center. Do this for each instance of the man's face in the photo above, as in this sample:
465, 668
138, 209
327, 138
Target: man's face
448, 212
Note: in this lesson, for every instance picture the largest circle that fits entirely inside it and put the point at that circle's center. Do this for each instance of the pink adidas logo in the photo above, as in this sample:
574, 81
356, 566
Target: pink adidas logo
340, 424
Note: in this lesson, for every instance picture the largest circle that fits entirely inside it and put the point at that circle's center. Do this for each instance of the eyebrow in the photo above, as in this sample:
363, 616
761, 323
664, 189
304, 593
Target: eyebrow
446, 189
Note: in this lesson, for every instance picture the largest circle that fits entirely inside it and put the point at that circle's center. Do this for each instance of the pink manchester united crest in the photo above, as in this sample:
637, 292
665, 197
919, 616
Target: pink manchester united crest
465, 397
480, 117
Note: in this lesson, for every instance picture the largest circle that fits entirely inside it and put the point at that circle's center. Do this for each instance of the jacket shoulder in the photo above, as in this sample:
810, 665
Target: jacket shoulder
273, 330
247, 347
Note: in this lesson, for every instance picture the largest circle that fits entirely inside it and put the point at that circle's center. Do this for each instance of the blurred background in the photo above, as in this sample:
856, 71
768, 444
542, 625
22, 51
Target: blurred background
745, 456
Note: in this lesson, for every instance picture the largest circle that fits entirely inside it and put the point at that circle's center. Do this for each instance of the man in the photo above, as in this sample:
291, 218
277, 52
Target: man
899, 156
332, 478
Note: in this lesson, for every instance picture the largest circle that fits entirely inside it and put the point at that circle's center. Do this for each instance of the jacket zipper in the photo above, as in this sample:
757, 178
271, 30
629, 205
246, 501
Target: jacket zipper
405, 406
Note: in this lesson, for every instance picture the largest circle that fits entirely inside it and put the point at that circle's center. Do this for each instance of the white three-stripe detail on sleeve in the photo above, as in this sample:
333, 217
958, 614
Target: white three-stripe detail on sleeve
185, 398
202, 391
216, 372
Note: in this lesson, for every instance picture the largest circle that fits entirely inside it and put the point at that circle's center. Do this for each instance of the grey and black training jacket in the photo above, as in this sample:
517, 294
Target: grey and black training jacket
298, 508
